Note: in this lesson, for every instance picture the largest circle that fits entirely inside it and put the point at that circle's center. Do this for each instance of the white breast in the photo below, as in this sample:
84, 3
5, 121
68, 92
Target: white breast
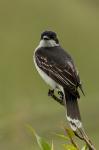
45, 77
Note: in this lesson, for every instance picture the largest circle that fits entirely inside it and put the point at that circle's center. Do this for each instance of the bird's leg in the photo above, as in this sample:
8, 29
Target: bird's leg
59, 100
51, 92
61, 95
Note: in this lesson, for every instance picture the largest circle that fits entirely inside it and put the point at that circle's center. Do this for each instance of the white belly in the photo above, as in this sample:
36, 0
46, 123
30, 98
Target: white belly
47, 79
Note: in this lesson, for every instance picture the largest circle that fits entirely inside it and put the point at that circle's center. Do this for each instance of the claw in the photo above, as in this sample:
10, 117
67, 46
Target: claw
59, 100
50, 92
61, 94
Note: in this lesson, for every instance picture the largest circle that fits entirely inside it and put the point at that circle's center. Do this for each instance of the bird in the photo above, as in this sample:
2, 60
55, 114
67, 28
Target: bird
57, 68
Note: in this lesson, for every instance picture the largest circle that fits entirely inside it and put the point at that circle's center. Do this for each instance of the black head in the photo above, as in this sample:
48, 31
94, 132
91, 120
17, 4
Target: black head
49, 35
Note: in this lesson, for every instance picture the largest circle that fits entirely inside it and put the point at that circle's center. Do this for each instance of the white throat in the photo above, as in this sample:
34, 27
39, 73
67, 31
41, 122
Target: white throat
47, 43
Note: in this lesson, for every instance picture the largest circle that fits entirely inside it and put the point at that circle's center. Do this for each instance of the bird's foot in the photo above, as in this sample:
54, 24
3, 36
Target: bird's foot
59, 100
61, 95
50, 92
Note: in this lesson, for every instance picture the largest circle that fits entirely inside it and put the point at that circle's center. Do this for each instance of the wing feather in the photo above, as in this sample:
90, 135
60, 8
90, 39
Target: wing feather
64, 75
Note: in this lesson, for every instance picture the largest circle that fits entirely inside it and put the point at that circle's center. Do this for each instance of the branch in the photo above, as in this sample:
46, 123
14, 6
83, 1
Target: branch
71, 138
59, 100
85, 138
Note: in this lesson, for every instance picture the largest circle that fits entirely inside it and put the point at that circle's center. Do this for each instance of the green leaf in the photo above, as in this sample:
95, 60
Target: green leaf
41, 142
69, 132
69, 147
62, 136
52, 148
84, 148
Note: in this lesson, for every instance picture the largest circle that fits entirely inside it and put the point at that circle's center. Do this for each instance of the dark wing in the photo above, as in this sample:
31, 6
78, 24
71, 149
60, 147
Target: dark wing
62, 71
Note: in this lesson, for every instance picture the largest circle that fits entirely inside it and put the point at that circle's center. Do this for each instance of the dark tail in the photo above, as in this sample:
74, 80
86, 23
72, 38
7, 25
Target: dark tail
73, 113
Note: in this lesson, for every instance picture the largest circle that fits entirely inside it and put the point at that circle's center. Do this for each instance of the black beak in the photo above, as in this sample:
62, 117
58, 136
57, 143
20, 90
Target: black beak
45, 37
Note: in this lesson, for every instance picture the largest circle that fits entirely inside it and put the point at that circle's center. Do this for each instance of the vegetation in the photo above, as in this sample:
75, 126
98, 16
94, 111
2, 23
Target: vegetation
69, 141
23, 94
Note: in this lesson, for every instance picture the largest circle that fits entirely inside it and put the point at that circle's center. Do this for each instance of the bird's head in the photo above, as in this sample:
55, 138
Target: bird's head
49, 39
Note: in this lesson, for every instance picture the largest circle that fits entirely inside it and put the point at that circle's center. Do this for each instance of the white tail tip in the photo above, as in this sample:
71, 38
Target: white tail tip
74, 123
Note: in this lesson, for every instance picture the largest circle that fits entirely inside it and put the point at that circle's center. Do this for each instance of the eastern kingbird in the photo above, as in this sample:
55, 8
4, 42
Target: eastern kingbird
57, 68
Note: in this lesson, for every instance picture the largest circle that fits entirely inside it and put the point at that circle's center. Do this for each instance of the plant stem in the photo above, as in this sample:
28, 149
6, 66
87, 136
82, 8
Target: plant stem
85, 138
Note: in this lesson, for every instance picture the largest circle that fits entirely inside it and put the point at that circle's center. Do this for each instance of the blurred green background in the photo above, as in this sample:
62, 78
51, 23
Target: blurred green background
23, 94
